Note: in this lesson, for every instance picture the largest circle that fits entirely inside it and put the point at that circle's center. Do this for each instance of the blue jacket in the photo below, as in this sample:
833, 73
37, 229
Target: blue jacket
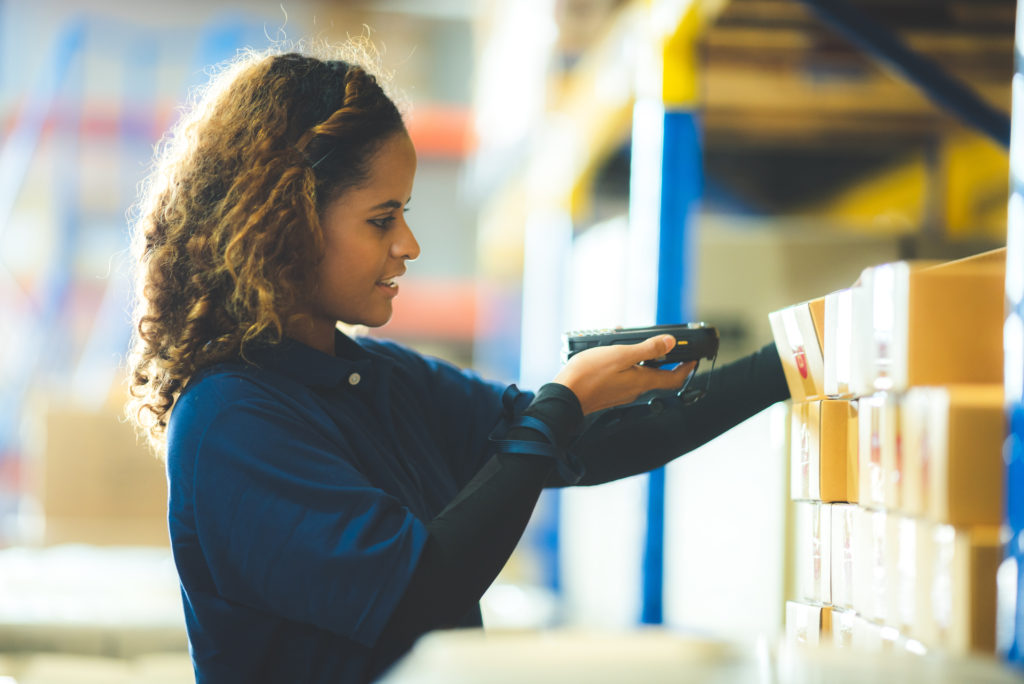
300, 484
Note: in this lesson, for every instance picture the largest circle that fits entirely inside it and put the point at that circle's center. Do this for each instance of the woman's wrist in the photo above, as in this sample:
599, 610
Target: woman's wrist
559, 408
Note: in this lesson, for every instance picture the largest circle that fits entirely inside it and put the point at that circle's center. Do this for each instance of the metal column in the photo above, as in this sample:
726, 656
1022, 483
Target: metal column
1010, 578
665, 188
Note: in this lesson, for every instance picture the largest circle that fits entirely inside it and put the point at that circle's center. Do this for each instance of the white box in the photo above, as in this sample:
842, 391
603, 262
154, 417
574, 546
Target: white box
876, 447
838, 352
813, 531
799, 333
869, 564
844, 517
809, 625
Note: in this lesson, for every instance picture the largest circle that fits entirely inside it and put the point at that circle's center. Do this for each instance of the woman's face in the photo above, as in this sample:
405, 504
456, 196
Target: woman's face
367, 241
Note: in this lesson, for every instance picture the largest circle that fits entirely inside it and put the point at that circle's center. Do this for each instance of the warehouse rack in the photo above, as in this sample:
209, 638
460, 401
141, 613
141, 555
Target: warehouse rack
589, 120
51, 338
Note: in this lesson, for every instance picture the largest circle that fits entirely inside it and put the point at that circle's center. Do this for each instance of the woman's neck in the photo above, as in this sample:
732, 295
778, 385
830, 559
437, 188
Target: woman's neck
313, 332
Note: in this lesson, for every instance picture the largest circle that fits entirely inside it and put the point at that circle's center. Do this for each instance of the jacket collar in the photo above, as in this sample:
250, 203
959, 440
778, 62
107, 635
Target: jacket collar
313, 368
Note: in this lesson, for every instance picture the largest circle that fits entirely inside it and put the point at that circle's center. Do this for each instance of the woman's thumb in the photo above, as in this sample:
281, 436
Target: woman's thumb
659, 345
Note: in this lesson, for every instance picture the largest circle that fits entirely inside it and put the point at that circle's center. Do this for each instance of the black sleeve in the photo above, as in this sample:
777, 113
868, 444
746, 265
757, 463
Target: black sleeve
470, 540
637, 438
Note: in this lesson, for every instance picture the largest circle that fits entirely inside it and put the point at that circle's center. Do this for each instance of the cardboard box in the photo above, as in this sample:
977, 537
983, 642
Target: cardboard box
813, 555
966, 479
919, 427
877, 444
965, 565
799, 333
927, 324
820, 460
954, 454
838, 348
807, 624
873, 637
802, 434
901, 559
870, 567
892, 454
94, 481
844, 517
843, 623
853, 452
923, 626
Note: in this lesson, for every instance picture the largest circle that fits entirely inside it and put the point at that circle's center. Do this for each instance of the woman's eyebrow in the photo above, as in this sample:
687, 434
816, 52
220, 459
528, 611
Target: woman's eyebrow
390, 204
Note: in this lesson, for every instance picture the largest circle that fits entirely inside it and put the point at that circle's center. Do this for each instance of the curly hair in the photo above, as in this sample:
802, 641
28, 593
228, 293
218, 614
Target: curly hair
227, 234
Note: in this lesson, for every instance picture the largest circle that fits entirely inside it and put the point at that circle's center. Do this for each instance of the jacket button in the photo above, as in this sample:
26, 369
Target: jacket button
354, 379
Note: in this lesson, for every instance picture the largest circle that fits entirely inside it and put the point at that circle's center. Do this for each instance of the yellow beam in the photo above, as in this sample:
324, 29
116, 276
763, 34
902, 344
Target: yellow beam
650, 48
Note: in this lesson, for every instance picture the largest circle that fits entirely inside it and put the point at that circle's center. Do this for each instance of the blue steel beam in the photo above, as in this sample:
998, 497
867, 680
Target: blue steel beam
668, 118
944, 90
681, 186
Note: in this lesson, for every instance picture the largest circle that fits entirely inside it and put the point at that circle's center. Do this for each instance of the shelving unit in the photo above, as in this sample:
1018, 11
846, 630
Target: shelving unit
896, 461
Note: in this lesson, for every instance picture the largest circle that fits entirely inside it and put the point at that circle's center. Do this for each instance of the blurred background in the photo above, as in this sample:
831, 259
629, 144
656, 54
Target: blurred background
813, 156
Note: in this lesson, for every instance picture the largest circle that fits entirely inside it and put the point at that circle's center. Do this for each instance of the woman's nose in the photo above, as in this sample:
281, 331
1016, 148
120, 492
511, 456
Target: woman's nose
406, 246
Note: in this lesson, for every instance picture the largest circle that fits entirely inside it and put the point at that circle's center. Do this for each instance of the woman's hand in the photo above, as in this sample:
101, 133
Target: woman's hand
603, 377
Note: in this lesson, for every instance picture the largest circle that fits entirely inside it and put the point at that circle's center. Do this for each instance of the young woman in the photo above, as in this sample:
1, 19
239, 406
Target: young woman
332, 498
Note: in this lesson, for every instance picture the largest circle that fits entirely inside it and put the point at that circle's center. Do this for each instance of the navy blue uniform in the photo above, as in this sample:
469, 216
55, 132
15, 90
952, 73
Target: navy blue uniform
302, 486
298, 496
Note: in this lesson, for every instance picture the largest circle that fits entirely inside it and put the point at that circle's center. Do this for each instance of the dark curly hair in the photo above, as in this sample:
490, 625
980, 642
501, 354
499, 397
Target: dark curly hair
227, 233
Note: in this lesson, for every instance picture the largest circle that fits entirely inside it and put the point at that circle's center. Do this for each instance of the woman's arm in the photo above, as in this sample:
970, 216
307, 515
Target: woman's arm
469, 541
635, 439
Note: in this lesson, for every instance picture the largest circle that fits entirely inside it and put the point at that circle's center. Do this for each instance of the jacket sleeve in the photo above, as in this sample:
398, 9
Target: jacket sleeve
634, 439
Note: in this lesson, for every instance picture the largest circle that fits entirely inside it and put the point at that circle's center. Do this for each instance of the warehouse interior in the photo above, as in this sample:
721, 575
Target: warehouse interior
821, 163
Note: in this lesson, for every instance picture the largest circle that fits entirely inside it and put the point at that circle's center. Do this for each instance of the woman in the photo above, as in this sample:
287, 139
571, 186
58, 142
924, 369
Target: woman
332, 498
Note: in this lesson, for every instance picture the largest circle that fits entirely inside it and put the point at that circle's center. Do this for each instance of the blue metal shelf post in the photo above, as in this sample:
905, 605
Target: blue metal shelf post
1010, 612
665, 188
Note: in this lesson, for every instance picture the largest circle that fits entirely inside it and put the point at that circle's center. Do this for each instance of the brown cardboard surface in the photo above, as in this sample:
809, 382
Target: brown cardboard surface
852, 453
816, 309
976, 628
94, 481
955, 325
965, 563
107, 531
921, 323
819, 462
966, 483
833, 455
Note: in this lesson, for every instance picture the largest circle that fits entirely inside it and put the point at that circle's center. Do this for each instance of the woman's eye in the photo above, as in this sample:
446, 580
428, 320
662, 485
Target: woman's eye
383, 222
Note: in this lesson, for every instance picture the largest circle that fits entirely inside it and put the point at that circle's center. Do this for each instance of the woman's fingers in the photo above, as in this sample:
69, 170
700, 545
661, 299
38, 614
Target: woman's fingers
656, 378
652, 348
608, 376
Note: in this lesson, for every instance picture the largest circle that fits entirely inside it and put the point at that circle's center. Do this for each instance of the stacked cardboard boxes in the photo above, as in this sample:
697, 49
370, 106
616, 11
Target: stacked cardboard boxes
897, 473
